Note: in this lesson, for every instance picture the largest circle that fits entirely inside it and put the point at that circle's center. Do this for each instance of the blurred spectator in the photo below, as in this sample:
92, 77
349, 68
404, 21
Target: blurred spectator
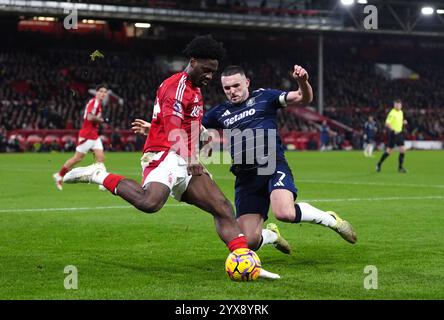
325, 136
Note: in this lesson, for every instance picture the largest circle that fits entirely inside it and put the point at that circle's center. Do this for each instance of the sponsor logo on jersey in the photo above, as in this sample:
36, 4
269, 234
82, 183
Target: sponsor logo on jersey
237, 117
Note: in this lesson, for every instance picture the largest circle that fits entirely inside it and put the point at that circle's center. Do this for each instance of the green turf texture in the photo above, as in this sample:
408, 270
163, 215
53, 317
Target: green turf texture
121, 253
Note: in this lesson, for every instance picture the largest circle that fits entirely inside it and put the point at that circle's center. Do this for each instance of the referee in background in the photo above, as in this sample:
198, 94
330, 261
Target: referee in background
394, 124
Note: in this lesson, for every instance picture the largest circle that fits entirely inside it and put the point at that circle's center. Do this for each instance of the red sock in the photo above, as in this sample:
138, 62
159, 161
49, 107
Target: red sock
238, 243
63, 171
111, 182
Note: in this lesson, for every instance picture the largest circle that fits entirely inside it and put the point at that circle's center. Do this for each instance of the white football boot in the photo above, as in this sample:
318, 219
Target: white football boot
58, 180
83, 174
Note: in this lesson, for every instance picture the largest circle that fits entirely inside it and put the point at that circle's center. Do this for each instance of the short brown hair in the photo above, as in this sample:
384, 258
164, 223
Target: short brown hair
100, 86
232, 70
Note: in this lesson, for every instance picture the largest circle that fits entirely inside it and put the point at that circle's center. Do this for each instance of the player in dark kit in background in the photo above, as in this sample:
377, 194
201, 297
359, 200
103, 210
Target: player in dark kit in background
394, 124
255, 192
169, 168
370, 130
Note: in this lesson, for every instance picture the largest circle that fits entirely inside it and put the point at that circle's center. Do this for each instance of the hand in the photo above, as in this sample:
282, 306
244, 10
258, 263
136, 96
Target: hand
299, 73
209, 148
195, 169
140, 126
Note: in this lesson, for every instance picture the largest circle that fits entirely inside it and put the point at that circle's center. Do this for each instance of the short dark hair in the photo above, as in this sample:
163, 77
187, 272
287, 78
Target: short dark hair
397, 101
205, 47
100, 86
232, 70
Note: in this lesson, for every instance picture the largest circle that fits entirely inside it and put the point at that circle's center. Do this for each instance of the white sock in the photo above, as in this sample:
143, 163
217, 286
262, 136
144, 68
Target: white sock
314, 215
268, 237
99, 176
371, 147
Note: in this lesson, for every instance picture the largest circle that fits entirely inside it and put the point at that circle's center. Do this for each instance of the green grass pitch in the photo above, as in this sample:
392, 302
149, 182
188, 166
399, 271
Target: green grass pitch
121, 253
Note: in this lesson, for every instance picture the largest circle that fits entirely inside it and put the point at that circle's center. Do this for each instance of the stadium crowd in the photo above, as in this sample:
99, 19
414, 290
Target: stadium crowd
48, 89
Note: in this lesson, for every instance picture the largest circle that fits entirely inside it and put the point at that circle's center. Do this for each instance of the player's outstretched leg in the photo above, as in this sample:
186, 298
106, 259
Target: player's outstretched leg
282, 203
99, 155
203, 193
251, 225
58, 176
149, 200
280, 243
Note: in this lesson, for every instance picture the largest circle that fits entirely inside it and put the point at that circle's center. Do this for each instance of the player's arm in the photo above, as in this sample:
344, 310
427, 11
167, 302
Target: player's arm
97, 119
304, 94
140, 126
388, 121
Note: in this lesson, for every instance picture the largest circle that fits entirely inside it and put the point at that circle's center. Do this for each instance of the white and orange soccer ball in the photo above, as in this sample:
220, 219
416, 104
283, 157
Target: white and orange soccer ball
243, 265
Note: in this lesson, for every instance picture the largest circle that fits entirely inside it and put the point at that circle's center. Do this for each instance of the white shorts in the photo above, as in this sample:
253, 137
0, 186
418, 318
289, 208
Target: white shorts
169, 169
85, 145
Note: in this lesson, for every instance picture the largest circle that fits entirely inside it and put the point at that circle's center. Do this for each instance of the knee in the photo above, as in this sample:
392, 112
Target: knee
285, 214
254, 240
148, 206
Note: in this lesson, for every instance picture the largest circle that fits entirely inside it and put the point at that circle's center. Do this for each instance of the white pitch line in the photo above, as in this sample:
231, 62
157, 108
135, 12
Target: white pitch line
381, 184
374, 199
184, 204
81, 208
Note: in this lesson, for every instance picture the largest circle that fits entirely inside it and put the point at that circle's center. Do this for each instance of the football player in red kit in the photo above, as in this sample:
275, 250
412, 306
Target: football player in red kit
170, 161
88, 136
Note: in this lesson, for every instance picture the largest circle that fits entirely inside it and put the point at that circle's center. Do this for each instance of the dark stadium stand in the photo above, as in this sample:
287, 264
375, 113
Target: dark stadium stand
45, 80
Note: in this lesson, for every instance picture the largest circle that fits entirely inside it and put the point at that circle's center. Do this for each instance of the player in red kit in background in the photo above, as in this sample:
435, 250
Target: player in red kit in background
88, 136
169, 167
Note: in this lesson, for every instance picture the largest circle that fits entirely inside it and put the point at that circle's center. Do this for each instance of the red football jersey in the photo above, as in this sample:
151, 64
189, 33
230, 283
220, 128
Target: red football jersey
90, 129
176, 96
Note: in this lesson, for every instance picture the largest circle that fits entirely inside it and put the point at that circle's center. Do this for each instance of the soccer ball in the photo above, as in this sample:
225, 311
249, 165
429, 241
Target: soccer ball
243, 265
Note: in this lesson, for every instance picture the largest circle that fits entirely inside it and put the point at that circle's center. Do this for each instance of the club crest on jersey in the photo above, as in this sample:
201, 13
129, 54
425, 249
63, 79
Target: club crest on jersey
250, 102
196, 99
177, 107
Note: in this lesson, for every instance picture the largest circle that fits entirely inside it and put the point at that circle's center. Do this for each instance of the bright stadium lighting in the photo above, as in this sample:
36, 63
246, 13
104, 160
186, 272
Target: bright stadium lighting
427, 11
362, 1
142, 25
44, 18
347, 2
440, 11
